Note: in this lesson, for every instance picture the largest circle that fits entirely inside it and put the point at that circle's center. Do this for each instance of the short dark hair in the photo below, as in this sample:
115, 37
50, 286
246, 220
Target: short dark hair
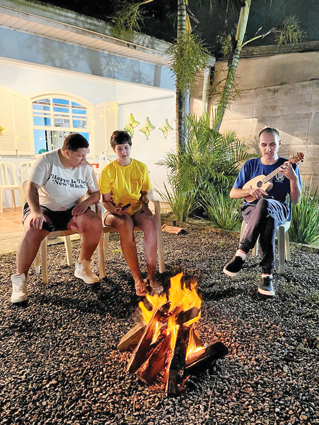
120, 137
269, 130
75, 141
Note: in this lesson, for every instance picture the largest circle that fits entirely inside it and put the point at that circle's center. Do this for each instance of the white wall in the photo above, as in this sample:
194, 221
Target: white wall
30, 80
141, 101
153, 149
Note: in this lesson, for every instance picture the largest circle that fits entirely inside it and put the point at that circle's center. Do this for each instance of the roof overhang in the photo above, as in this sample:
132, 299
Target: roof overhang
71, 27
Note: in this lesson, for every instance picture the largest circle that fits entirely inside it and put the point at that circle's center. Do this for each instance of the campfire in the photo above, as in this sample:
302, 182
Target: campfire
167, 347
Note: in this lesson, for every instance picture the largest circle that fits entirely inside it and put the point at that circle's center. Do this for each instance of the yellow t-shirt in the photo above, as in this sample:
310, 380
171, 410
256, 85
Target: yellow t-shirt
125, 183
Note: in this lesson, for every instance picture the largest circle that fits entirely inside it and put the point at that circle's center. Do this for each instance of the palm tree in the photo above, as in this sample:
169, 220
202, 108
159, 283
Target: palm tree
238, 44
181, 96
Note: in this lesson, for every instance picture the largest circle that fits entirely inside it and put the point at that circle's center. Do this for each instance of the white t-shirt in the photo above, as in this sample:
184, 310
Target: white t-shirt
61, 188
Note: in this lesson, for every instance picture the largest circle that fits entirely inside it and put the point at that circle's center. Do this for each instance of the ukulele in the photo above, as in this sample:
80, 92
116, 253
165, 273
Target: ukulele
264, 182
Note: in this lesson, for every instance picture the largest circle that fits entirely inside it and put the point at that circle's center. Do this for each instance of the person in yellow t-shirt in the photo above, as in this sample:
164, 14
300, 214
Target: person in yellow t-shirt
126, 189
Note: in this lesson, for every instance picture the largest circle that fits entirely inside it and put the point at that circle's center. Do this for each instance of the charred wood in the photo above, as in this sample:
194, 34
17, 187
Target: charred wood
157, 360
203, 358
178, 364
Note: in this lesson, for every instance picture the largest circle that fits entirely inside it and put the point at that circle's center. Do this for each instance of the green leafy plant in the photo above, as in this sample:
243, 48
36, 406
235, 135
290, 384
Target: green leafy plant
209, 159
128, 16
181, 203
226, 43
222, 211
189, 57
304, 226
290, 33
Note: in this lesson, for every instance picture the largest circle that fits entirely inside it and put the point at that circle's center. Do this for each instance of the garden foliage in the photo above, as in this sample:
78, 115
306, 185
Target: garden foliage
201, 176
304, 227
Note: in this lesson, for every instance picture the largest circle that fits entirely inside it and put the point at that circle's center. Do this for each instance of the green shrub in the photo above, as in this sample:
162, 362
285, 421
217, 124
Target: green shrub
182, 204
209, 159
222, 211
304, 226
290, 33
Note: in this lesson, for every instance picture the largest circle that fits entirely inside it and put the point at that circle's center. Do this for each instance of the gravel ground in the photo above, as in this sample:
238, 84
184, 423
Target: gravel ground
60, 365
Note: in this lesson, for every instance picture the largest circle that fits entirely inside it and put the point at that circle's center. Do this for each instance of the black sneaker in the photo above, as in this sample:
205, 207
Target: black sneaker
266, 287
234, 266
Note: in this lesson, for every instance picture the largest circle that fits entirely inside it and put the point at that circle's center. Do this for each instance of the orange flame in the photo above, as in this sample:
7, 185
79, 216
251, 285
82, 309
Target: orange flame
182, 295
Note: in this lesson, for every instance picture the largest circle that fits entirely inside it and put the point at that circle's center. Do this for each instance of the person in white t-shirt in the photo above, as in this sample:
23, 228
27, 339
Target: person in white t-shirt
57, 182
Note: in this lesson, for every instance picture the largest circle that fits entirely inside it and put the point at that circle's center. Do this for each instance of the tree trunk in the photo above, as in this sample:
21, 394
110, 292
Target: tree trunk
181, 98
241, 30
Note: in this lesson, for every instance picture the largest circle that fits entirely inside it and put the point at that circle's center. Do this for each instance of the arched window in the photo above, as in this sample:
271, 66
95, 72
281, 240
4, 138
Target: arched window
54, 117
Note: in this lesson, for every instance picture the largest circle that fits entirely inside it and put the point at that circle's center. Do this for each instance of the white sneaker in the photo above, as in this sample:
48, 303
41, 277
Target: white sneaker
19, 288
83, 271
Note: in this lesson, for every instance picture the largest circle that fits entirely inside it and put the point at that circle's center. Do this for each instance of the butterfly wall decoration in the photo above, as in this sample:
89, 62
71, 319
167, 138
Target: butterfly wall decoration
148, 128
131, 125
166, 128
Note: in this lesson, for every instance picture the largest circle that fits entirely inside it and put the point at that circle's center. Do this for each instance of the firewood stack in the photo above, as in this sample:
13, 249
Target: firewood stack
167, 346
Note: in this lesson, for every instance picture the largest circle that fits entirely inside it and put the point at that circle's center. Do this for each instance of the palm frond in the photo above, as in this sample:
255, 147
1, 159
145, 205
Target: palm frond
209, 158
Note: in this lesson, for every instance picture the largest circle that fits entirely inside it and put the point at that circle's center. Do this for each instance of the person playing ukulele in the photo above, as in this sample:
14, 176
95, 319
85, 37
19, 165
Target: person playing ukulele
262, 210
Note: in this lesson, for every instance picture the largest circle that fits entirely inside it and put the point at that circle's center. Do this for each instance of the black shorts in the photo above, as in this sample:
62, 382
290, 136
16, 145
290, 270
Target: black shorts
59, 219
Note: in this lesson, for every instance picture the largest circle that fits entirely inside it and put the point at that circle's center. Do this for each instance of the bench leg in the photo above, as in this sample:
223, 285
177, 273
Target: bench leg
100, 248
281, 249
37, 263
44, 263
68, 250
160, 253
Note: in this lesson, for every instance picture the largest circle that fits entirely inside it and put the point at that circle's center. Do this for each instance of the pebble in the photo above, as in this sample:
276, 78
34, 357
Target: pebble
59, 363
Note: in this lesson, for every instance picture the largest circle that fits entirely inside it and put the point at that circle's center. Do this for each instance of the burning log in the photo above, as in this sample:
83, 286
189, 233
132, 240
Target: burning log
144, 347
177, 368
168, 348
157, 360
186, 316
201, 359
131, 338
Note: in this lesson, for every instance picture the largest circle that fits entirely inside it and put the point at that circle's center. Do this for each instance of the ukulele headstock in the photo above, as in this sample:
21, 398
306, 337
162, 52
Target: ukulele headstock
298, 157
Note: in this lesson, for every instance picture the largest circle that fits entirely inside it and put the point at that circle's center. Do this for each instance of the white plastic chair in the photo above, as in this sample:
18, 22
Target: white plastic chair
283, 243
104, 243
97, 169
25, 168
8, 181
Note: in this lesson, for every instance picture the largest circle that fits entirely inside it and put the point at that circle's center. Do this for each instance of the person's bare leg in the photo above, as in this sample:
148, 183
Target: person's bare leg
27, 250
147, 224
28, 247
125, 226
90, 227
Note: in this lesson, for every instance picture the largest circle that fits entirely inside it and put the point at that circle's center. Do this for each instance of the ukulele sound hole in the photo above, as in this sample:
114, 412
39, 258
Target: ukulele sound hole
259, 184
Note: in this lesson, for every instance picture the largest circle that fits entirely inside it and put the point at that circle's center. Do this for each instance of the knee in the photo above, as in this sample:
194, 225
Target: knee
35, 235
125, 226
92, 224
262, 207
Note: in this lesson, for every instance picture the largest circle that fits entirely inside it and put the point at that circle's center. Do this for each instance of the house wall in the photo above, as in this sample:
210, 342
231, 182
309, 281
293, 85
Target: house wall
141, 101
151, 148
281, 91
